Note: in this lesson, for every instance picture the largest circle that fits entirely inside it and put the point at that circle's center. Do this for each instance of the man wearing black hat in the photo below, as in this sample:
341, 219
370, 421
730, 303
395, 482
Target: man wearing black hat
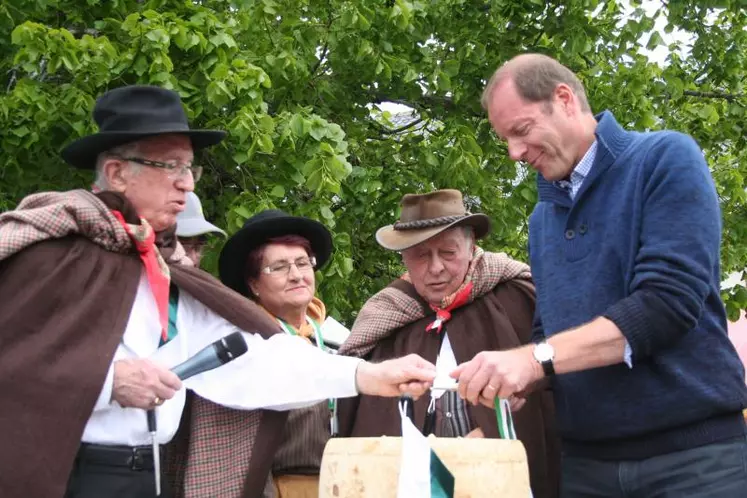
99, 302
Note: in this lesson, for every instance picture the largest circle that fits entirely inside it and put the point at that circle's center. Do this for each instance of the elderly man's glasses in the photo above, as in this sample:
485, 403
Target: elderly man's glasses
282, 268
175, 169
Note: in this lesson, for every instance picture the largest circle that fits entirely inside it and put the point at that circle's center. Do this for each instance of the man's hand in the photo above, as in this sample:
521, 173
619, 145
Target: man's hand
492, 374
142, 383
410, 374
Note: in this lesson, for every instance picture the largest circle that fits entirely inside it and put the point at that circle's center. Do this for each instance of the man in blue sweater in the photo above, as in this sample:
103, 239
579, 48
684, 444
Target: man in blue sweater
624, 248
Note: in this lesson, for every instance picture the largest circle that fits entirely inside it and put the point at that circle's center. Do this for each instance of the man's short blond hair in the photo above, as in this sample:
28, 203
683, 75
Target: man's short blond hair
536, 77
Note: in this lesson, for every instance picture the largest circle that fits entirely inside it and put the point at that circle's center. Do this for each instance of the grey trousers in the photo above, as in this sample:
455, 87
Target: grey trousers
717, 470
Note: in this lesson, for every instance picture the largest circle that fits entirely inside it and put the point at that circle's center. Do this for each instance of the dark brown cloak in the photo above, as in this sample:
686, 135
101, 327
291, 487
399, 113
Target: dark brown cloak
64, 305
501, 319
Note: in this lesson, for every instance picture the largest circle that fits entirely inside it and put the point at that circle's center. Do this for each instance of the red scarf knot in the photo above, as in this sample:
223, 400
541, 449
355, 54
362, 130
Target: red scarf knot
443, 314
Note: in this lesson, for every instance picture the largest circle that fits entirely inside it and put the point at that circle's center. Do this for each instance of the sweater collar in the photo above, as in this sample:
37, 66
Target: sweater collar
612, 140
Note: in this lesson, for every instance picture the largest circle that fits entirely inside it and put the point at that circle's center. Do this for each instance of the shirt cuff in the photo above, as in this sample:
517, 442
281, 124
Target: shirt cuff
628, 356
105, 396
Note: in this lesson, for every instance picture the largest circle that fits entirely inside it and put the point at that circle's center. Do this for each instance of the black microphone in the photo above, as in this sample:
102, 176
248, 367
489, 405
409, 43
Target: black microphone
218, 353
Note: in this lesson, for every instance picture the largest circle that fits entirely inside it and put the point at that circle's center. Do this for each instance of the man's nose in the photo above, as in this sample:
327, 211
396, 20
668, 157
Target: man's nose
436, 265
516, 149
185, 182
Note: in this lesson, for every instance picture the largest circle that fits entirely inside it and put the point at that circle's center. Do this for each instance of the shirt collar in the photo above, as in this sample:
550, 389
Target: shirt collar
580, 172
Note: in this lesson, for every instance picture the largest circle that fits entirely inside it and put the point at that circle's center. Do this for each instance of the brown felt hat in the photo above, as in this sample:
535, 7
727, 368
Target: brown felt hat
424, 216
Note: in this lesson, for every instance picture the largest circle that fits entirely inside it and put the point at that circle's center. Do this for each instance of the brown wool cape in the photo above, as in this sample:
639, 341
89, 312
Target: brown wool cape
64, 305
500, 319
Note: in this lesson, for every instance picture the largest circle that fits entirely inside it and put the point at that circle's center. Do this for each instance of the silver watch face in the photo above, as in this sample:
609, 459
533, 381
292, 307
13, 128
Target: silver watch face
543, 352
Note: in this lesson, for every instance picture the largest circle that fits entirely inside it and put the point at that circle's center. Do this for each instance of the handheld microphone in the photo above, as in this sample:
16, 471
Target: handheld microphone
220, 352
216, 354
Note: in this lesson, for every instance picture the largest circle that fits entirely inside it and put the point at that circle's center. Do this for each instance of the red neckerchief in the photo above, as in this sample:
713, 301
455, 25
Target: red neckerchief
460, 298
156, 270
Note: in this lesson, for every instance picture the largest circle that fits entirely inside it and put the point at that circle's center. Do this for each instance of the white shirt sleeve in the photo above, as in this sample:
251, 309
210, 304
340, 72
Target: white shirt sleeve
628, 355
280, 373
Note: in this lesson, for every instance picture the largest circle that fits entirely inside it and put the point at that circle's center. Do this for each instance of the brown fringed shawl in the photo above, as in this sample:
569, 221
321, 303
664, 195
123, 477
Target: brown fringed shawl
68, 279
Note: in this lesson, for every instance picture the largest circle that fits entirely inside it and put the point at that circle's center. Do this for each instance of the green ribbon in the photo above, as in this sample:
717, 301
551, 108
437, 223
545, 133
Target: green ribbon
504, 418
319, 339
442, 481
173, 308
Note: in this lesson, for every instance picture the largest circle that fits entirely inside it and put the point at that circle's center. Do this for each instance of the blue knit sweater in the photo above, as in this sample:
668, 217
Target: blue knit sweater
639, 245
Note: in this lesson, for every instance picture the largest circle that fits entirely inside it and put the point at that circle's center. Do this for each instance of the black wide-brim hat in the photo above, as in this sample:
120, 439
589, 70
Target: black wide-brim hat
257, 231
132, 113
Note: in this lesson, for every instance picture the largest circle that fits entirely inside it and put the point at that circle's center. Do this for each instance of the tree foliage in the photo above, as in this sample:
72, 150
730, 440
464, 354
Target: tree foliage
299, 85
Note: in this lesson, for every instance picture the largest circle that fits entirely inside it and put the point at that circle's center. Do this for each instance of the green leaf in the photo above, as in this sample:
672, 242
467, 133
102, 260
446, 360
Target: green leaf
326, 213
20, 131
266, 123
277, 191
298, 125
310, 166
410, 75
242, 211
451, 68
654, 40
444, 82
158, 36
348, 18
325, 147
470, 145
347, 266
265, 144
314, 180
318, 131
363, 23
708, 113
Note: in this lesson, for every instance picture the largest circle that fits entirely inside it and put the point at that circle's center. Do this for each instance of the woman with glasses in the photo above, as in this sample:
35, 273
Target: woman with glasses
272, 261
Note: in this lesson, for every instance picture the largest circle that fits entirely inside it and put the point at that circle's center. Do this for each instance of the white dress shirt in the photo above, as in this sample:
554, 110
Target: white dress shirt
280, 373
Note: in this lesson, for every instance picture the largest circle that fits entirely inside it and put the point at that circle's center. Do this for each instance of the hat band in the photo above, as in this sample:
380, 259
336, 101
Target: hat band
429, 223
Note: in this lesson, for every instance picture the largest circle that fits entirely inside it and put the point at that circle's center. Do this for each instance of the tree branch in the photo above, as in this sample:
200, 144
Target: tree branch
713, 95
394, 131
426, 103
322, 56
325, 49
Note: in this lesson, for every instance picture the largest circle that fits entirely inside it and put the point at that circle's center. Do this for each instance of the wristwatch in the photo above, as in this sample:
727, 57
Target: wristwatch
544, 354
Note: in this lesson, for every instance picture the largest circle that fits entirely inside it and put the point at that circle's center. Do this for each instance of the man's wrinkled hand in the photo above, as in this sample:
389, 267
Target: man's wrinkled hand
410, 375
142, 383
502, 374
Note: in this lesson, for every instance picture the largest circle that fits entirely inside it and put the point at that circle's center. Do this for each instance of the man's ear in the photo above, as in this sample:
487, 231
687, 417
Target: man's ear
116, 173
566, 98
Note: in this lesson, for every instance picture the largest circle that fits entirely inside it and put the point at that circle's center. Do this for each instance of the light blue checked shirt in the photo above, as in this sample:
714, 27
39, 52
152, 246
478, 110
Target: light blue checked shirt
572, 186
580, 172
